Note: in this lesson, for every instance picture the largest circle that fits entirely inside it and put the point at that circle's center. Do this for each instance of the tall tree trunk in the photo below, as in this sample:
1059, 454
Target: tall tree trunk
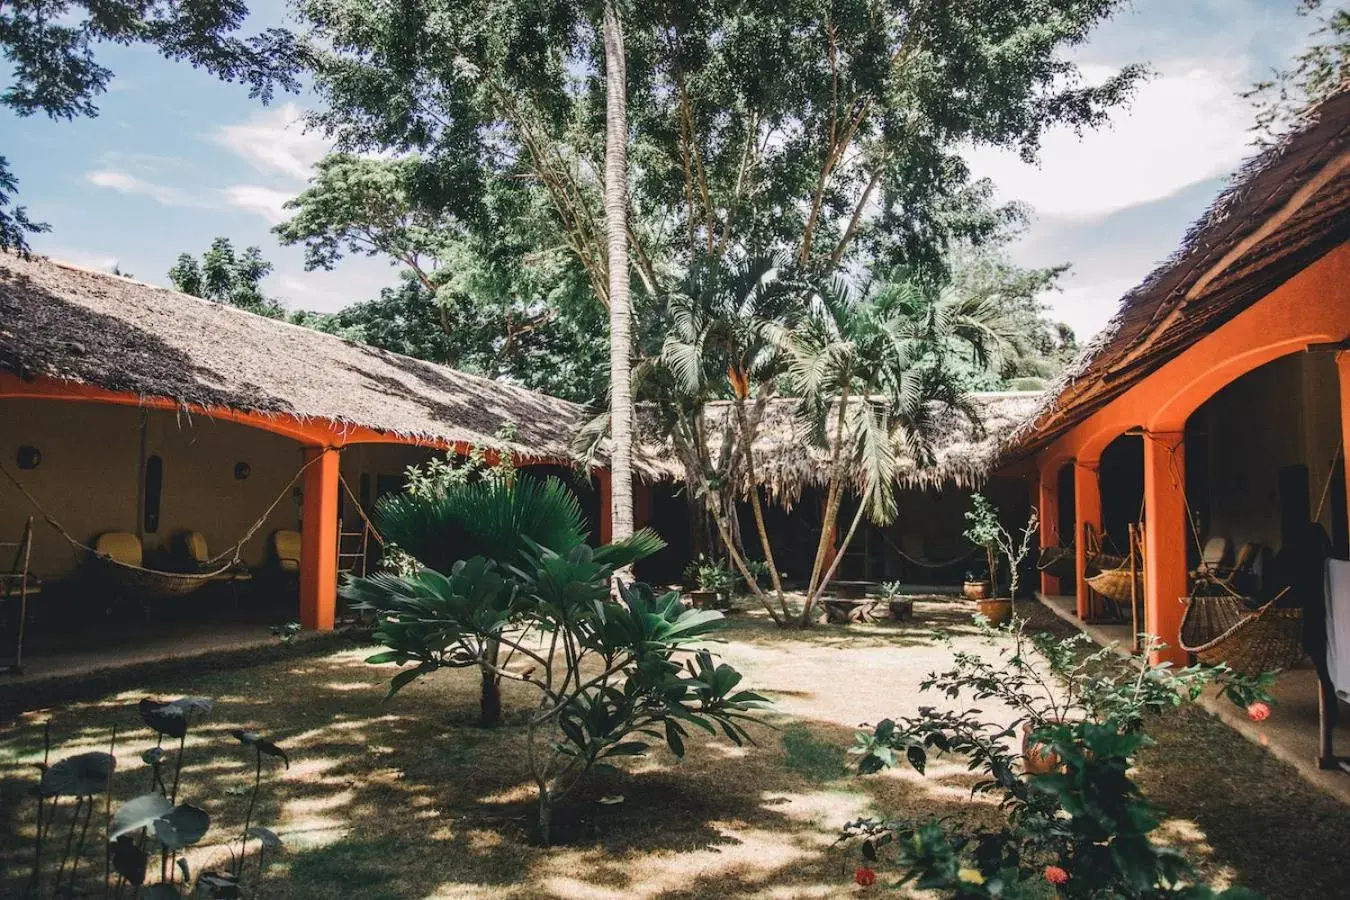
620, 307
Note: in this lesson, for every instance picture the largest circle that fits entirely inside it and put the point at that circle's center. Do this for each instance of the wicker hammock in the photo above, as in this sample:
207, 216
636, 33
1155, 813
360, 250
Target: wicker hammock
1223, 629
1057, 561
1114, 583
153, 583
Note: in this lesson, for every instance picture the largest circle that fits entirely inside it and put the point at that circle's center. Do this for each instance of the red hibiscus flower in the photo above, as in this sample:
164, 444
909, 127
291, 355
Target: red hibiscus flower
1056, 875
865, 876
1258, 711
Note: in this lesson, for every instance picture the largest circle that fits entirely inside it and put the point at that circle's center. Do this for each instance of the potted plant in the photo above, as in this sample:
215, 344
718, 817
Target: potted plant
713, 582
900, 606
985, 530
976, 585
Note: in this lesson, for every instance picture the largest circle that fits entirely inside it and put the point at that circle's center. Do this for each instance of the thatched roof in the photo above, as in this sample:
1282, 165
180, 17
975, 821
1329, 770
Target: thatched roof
1283, 209
787, 460
69, 323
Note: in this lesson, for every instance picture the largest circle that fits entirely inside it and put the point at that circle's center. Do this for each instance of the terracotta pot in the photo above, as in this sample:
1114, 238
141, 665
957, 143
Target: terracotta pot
975, 590
1036, 758
901, 609
998, 612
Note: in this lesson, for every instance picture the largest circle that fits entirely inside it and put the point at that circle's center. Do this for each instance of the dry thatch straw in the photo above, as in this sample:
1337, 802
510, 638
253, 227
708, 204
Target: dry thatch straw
69, 323
787, 460
1173, 308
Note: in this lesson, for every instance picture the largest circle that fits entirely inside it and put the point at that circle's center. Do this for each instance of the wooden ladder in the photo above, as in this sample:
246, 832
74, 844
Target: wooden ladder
352, 549
16, 586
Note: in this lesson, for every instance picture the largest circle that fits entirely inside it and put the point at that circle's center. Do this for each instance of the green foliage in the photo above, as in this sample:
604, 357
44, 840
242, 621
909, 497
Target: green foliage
606, 673
155, 818
55, 71
225, 276
985, 529
742, 114
714, 574
494, 518
1084, 818
1320, 70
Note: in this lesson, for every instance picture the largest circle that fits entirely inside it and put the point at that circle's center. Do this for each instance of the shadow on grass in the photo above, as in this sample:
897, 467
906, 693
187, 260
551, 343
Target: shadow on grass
402, 799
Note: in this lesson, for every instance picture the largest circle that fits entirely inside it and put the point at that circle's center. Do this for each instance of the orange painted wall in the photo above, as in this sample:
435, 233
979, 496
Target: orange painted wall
1311, 308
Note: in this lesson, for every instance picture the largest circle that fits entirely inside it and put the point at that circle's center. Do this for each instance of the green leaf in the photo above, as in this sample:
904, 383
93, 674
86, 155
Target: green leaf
627, 748
128, 860
674, 738
138, 813
917, 757
182, 827
82, 775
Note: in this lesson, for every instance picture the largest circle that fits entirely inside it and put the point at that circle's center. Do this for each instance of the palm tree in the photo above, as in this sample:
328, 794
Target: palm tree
620, 304
730, 327
871, 367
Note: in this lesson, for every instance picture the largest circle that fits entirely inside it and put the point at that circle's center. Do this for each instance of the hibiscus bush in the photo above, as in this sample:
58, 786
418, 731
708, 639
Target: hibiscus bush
1076, 823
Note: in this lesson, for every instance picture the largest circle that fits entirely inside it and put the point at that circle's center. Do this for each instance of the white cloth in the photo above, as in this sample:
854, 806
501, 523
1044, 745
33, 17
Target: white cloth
1338, 625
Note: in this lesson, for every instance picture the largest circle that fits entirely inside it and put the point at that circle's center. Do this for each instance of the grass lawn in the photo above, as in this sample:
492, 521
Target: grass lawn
407, 799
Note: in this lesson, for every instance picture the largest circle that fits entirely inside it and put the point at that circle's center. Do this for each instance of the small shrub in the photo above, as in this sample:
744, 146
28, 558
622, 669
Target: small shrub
1080, 829
605, 671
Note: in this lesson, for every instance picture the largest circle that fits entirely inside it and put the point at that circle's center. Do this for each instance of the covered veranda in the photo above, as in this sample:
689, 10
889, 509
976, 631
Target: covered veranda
1216, 405
137, 411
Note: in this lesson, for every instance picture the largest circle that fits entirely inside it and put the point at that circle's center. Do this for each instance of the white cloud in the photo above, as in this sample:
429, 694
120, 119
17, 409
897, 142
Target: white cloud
126, 183
275, 142
263, 201
1184, 126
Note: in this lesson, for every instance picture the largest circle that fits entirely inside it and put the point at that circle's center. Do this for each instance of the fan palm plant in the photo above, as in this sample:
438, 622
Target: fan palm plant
730, 332
607, 671
871, 367
498, 519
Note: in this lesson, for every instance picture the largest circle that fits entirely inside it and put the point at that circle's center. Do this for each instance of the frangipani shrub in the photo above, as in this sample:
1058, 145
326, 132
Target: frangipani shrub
613, 675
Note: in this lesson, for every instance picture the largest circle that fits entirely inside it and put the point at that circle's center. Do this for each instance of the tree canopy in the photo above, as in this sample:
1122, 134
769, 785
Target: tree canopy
825, 129
227, 277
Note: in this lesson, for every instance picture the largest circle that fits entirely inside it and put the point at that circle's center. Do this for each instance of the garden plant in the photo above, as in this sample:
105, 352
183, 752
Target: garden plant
615, 667
152, 824
1076, 824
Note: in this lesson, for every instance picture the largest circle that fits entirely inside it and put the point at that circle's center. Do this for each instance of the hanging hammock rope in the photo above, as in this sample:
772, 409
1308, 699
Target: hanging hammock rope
159, 581
928, 563
360, 511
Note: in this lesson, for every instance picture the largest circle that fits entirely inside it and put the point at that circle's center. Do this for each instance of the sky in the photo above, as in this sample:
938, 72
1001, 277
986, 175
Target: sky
176, 158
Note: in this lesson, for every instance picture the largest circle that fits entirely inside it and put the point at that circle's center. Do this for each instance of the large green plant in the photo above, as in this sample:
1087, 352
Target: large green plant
1081, 829
870, 363
603, 668
452, 511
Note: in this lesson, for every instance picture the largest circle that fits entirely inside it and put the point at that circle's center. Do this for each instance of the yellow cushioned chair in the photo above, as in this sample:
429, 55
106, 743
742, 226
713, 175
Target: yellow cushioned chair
194, 547
286, 548
120, 546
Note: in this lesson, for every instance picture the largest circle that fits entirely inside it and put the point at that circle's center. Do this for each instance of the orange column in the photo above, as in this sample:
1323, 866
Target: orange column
318, 541
606, 514
1047, 508
1165, 542
642, 504
1087, 510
